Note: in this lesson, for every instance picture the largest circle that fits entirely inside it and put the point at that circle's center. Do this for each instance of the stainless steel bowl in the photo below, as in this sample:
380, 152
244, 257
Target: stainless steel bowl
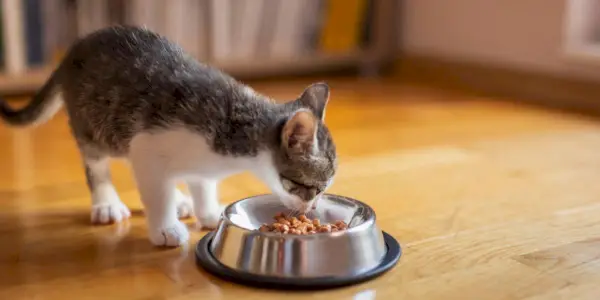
238, 247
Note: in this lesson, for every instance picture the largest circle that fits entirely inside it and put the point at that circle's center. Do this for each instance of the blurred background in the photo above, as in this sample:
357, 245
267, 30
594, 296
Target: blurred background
478, 45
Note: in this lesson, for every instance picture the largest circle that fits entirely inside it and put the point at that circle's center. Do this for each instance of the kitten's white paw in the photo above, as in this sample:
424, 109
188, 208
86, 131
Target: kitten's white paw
210, 220
109, 212
173, 235
185, 206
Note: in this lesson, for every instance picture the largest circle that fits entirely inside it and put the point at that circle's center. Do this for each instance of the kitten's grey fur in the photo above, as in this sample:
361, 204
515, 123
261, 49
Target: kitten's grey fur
120, 81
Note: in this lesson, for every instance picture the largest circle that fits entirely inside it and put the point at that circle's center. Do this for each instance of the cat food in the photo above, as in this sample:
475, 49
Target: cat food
301, 225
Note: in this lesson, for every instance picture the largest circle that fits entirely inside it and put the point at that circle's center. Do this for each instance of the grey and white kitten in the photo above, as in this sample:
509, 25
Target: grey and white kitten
132, 94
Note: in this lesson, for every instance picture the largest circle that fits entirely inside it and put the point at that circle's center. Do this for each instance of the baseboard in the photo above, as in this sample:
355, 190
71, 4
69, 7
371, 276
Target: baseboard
547, 90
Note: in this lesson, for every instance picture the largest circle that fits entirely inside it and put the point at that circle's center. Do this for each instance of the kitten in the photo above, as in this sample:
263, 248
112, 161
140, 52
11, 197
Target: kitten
131, 94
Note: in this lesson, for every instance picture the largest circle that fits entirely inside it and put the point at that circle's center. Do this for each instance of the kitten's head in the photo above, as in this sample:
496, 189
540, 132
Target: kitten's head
305, 157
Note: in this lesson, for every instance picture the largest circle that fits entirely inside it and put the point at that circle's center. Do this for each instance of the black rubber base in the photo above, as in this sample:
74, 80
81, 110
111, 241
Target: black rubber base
207, 261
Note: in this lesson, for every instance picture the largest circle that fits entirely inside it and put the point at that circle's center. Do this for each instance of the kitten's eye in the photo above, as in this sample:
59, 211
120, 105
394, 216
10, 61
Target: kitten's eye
292, 185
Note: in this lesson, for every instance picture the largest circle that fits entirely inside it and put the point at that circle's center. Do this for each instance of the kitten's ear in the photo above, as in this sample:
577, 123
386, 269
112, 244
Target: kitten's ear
315, 98
298, 135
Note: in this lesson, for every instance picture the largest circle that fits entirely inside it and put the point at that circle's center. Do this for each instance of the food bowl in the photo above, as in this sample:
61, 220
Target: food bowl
239, 252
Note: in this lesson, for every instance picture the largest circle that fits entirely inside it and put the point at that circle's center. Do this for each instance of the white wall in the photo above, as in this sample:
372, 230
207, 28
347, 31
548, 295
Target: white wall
524, 34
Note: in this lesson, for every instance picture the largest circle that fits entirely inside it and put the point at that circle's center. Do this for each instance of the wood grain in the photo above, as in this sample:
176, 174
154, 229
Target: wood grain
490, 200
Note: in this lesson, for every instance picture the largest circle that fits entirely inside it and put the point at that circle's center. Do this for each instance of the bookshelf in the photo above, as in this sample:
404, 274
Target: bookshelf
245, 38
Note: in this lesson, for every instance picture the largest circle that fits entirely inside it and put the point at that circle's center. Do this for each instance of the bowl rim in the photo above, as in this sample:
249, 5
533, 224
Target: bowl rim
366, 224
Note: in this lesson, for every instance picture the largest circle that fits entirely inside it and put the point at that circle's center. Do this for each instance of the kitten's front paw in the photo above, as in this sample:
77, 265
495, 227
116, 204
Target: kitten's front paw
170, 236
210, 220
109, 212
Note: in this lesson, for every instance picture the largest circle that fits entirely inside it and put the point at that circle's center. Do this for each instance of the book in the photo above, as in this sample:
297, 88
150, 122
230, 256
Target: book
367, 27
15, 58
33, 32
175, 20
236, 15
143, 13
220, 30
287, 34
248, 29
91, 16
116, 11
267, 28
193, 24
342, 28
197, 33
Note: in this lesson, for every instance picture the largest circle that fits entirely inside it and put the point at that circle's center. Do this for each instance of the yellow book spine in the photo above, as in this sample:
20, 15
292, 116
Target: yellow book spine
343, 25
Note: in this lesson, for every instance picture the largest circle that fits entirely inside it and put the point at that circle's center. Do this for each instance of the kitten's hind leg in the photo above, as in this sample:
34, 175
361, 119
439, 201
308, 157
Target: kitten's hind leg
106, 205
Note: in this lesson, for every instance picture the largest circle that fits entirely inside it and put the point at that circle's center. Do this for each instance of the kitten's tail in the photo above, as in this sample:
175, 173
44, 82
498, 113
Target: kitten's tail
44, 105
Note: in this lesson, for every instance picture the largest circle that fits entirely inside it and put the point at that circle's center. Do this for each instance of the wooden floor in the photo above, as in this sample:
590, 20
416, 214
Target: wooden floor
489, 201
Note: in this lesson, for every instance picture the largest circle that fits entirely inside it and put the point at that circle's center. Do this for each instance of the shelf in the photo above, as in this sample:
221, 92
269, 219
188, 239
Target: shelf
32, 80
19, 80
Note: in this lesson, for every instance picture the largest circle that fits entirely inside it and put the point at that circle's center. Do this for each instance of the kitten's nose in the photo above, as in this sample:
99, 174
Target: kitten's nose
306, 207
